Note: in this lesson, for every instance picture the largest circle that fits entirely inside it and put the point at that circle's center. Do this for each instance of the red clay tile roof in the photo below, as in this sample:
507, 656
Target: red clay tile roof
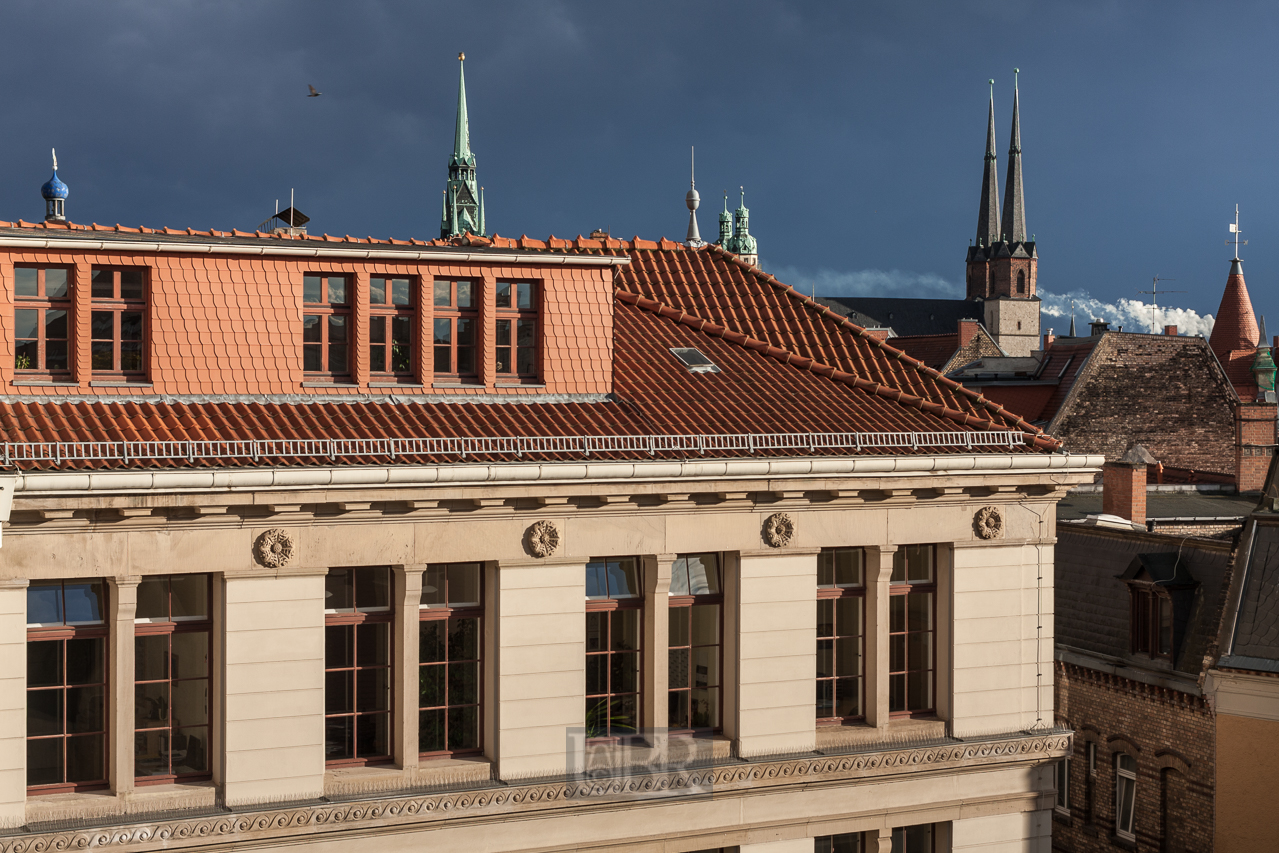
933, 350
787, 365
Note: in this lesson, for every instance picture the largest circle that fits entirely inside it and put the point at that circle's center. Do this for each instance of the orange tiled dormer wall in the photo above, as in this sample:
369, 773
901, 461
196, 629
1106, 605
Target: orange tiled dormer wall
234, 325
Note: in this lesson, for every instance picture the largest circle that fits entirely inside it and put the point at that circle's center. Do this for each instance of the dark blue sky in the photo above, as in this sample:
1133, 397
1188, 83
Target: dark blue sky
857, 129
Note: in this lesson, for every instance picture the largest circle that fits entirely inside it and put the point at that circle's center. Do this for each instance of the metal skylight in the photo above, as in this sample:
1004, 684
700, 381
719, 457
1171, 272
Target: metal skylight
694, 360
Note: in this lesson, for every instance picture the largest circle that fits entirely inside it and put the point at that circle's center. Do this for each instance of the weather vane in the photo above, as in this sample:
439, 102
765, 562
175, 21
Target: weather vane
1234, 229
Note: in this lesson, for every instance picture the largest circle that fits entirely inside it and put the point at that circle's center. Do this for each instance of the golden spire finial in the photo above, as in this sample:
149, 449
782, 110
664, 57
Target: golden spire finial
461, 56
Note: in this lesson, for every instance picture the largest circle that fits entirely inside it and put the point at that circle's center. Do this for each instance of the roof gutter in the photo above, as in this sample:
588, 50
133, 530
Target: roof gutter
39, 484
539, 258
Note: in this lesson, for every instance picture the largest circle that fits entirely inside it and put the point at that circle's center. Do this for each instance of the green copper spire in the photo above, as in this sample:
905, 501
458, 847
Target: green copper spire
725, 224
742, 243
462, 155
463, 202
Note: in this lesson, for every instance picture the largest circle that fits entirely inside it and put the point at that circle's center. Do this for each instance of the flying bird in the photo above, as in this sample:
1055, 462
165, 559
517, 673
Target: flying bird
314, 94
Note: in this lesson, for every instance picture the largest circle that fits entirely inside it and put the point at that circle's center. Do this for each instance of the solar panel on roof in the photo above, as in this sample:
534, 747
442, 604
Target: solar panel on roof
694, 360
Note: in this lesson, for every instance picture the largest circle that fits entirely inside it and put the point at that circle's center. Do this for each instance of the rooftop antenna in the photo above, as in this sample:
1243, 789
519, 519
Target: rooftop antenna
1234, 229
292, 209
1154, 300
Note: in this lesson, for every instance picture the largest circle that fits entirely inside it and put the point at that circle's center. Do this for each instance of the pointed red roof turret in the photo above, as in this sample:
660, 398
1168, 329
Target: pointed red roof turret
1235, 333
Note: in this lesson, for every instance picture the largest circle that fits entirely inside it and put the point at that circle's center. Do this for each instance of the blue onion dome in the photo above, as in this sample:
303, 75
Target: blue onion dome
54, 188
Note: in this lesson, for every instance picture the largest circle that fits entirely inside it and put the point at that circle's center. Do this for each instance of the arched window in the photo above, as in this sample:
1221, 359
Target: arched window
1021, 282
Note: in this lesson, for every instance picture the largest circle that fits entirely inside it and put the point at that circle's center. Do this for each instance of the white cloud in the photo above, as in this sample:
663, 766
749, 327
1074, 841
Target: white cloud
1133, 315
869, 283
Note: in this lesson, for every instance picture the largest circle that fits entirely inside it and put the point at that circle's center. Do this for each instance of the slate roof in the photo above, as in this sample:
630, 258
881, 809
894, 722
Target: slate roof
787, 364
1092, 604
907, 317
1256, 636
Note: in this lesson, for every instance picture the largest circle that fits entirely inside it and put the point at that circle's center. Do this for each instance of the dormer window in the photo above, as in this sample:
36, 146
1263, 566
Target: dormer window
515, 329
1160, 594
456, 324
326, 326
1150, 622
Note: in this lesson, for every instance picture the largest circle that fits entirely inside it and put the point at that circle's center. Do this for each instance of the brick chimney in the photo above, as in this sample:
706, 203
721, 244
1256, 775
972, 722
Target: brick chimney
967, 331
1170, 330
1049, 337
1123, 485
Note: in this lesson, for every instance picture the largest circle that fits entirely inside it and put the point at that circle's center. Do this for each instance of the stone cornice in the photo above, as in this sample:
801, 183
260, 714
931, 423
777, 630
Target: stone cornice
369, 815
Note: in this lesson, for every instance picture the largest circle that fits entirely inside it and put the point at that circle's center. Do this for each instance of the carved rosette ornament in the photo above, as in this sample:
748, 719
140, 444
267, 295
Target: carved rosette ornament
543, 537
989, 523
274, 548
779, 528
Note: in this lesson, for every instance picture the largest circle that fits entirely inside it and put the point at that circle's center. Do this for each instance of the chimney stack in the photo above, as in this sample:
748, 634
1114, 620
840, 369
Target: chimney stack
1123, 485
1170, 330
1049, 337
967, 331
1098, 327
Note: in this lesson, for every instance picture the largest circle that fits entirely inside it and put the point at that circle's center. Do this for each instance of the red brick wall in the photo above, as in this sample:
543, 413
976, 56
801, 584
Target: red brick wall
1003, 276
224, 324
1173, 736
1256, 425
1124, 491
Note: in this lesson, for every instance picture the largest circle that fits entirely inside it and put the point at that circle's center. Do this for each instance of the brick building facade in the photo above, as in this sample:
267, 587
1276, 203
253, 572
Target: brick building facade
1170, 734
1129, 681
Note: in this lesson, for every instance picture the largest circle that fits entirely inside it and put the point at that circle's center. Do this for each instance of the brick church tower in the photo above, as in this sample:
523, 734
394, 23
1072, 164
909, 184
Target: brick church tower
1002, 266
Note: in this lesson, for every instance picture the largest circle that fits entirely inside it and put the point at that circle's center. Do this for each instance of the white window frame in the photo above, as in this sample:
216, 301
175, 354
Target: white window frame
1125, 779
1063, 786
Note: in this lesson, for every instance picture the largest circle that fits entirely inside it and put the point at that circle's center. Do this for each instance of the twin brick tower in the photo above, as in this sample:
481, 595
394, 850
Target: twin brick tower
1002, 263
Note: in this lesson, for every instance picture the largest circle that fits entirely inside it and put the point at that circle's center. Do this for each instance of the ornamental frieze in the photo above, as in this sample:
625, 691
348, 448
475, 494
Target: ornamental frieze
286, 822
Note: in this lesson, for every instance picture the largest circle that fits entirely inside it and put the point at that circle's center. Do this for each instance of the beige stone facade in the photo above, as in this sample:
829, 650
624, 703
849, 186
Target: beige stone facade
978, 768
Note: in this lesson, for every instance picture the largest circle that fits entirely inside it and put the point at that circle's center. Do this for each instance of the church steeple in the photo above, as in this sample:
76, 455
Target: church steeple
988, 213
463, 201
1014, 198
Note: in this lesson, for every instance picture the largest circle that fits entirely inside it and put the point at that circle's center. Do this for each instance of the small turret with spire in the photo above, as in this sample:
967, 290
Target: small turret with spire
742, 243
55, 195
725, 224
463, 201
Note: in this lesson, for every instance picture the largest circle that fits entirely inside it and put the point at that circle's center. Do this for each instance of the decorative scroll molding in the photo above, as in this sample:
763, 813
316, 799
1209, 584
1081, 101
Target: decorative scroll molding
316, 819
779, 529
988, 523
274, 548
542, 537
